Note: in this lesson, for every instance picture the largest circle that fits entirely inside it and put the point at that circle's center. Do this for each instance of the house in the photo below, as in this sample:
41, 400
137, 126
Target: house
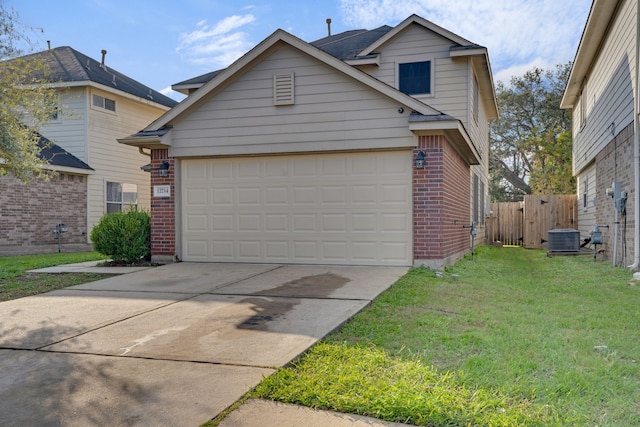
361, 148
98, 104
602, 93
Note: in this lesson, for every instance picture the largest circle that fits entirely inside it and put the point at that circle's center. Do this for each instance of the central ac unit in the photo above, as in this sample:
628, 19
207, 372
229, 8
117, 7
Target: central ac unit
564, 240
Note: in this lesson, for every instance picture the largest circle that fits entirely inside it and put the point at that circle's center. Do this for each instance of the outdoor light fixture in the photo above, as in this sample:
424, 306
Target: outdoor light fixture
163, 170
419, 160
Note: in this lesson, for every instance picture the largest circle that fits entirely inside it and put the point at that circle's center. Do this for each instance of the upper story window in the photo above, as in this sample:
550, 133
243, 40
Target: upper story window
105, 103
475, 100
414, 78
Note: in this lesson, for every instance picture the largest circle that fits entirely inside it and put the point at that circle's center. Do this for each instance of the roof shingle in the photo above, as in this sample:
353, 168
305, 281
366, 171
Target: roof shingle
65, 64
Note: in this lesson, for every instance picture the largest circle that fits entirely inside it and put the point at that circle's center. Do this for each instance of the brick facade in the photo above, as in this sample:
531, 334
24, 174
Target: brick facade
441, 207
163, 210
615, 163
30, 212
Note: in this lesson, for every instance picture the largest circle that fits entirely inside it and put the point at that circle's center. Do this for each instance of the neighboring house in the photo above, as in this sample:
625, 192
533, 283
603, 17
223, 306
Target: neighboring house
304, 152
29, 213
602, 93
97, 105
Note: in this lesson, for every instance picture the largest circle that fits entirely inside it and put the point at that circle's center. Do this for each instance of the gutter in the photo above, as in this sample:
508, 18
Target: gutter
636, 152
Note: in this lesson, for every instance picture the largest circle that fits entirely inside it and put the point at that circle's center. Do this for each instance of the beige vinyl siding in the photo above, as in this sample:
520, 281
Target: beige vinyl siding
70, 131
609, 89
450, 92
112, 161
331, 112
587, 216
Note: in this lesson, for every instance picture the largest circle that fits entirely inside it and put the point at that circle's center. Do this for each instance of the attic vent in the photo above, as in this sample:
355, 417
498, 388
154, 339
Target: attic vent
283, 89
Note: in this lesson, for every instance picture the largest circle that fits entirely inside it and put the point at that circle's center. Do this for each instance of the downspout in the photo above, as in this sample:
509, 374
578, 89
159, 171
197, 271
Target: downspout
141, 150
636, 152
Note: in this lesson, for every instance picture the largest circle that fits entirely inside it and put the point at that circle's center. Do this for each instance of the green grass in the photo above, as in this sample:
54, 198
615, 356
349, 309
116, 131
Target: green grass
15, 282
511, 337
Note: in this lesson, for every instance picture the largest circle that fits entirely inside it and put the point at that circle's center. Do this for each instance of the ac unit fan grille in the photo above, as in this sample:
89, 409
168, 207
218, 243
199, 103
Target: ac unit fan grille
564, 240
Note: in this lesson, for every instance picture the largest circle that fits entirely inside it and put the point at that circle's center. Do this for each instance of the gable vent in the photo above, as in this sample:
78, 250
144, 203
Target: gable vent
283, 89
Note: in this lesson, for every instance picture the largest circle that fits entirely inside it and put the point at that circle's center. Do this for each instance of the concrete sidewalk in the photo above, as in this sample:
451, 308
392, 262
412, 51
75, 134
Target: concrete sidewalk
88, 267
172, 345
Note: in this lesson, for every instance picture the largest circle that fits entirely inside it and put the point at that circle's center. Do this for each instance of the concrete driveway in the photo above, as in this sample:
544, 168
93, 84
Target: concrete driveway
172, 345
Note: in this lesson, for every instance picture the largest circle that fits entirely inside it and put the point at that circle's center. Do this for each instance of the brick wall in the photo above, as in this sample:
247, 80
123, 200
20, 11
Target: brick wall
30, 212
615, 163
441, 206
163, 210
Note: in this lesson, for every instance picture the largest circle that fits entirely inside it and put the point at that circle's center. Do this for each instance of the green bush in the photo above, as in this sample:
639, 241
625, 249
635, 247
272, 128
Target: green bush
124, 236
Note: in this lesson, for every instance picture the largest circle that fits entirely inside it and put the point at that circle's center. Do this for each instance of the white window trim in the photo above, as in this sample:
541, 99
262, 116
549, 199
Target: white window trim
475, 97
121, 203
418, 58
102, 109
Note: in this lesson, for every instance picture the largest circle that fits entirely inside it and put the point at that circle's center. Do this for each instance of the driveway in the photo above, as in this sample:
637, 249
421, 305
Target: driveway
172, 345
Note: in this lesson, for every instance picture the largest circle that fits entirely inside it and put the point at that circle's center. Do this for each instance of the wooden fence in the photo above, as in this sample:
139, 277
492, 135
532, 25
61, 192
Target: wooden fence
527, 223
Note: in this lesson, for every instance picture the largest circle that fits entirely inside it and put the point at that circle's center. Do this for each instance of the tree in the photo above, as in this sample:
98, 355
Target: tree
531, 141
27, 101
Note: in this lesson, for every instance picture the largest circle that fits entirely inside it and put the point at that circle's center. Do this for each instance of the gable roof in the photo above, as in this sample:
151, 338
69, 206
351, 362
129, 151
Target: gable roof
348, 45
66, 65
415, 19
357, 47
58, 158
281, 36
596, 28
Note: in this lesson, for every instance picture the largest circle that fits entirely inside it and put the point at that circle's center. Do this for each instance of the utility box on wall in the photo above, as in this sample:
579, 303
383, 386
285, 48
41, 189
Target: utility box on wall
564, 240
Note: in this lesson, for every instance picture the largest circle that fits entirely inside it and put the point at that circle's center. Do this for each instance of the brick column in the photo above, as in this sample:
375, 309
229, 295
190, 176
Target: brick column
163, 210
441, 204
428, 186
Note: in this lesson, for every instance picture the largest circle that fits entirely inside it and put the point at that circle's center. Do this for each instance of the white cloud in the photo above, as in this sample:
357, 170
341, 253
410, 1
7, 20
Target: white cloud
218, 45
176, 96
517, 33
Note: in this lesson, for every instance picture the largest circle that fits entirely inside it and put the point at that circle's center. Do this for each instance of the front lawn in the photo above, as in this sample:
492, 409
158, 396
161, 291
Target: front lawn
509, 338
15, 282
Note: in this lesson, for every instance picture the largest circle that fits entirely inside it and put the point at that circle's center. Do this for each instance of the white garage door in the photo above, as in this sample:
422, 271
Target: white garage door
353, 209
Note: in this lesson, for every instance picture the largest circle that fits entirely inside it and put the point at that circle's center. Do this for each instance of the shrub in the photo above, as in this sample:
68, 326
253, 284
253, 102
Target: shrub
124, 236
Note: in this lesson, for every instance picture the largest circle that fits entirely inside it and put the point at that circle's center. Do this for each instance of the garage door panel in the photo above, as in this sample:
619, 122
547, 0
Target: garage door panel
278, 196
334, 194
350, 208
196, 223
197, 249
276, 223
222, 196
305, 195
223, 250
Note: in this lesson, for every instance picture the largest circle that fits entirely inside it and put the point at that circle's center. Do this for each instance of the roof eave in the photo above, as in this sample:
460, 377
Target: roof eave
68, 170
480, 56
455, 133
597, 26
372, 60
187, 89
150, 142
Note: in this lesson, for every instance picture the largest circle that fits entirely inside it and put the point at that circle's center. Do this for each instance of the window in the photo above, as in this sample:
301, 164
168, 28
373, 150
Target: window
585, 193
476, 193
582, 109
121, 197
483, 208
474, 97
415, 78
105, 103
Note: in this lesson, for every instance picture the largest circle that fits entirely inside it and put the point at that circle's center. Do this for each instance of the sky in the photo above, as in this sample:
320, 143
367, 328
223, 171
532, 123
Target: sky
162, 42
